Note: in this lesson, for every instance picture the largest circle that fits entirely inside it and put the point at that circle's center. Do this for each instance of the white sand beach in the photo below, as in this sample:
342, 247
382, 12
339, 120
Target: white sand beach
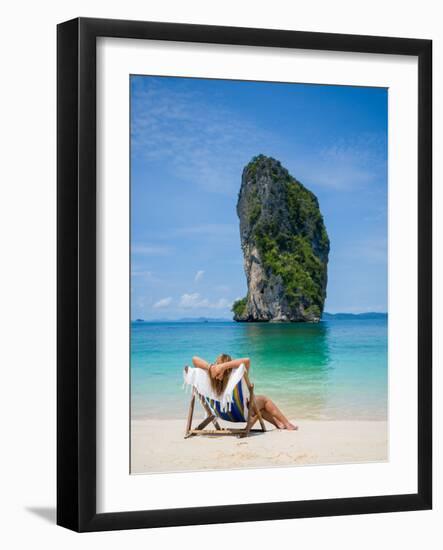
159, 446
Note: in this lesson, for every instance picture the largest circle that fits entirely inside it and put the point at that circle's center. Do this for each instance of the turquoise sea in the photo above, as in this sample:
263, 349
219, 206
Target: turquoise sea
336, 369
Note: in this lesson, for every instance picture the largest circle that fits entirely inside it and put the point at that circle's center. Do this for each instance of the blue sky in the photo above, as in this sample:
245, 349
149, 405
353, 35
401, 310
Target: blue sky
191, 138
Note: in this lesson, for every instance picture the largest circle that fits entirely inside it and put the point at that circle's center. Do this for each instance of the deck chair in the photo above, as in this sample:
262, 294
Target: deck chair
237, 404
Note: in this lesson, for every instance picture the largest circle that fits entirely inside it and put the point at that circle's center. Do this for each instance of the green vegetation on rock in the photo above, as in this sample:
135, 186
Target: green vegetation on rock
239, 307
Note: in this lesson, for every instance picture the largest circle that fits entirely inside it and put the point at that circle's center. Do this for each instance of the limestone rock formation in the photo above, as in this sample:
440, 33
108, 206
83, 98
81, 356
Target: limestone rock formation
285, 246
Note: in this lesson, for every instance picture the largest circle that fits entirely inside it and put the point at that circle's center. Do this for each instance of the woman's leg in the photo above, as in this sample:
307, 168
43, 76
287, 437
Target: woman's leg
272, 413
272, 420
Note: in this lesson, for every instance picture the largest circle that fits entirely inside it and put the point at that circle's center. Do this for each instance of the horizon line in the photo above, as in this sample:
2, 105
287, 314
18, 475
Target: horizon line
231, 319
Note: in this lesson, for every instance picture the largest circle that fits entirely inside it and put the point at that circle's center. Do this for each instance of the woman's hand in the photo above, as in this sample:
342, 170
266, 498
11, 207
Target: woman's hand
219, 374
216, 372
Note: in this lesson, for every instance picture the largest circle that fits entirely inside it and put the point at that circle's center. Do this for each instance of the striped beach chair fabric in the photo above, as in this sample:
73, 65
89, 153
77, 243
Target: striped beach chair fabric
235, 412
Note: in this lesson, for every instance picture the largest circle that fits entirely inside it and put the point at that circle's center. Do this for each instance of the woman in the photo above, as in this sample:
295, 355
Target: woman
219, 373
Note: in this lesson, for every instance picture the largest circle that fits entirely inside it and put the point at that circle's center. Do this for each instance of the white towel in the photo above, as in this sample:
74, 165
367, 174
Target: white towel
200, 380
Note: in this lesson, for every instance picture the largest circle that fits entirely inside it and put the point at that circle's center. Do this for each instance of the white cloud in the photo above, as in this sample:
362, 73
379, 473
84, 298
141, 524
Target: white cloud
150, 250
199, 275
201, 141
222, 303
354, 162
341, 164
164, 302
142, 276
194, 300
373, 250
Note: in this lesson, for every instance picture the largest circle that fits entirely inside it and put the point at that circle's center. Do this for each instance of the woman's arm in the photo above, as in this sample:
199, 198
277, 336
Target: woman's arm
218, 370
200, 363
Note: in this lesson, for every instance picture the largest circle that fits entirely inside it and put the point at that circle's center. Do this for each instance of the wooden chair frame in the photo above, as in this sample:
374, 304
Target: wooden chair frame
254, 414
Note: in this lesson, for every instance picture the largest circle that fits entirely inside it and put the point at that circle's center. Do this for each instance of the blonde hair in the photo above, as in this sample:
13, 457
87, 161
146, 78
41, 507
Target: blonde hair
219, 385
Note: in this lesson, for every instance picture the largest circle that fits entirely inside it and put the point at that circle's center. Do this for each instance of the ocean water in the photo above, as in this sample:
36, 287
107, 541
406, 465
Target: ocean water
336, 369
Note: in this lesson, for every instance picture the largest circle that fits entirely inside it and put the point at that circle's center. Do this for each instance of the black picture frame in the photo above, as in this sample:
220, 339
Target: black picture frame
76, 280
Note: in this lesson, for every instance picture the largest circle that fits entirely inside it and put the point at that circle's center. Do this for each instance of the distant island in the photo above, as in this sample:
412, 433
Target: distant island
325, 317
285, 246
356, 316
186, 320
